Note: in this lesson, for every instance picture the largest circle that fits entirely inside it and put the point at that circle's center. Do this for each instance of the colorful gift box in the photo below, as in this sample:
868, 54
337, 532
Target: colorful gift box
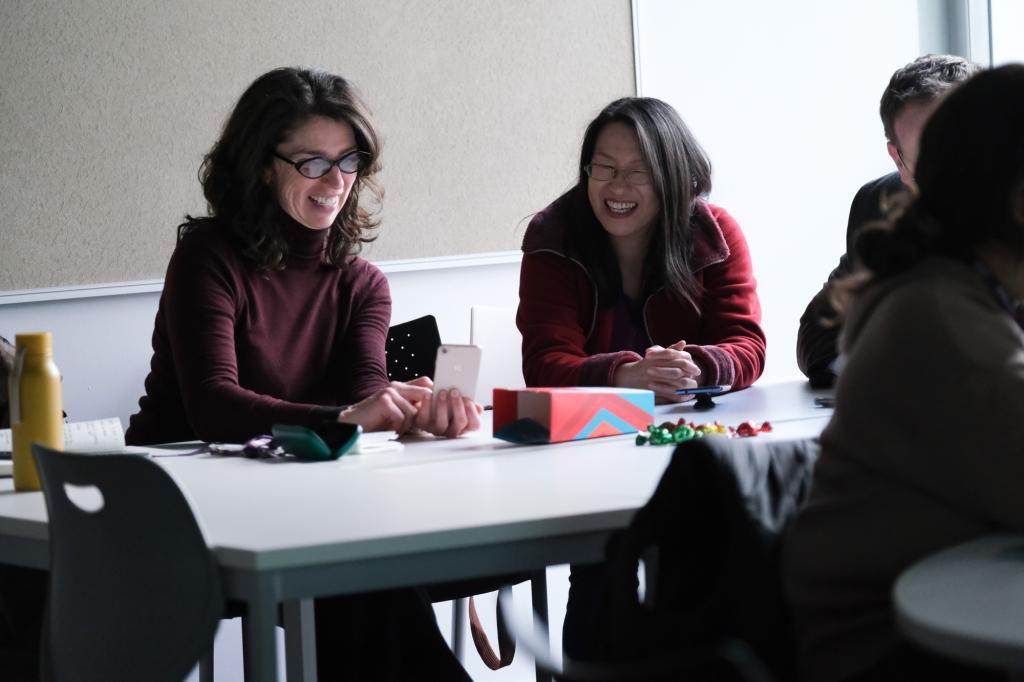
553, 415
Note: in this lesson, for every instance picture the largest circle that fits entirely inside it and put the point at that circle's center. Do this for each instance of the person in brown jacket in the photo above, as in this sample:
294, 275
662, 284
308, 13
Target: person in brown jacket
923, 449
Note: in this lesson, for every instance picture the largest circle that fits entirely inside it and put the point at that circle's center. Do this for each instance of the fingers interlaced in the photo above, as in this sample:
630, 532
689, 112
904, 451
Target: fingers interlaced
403, 405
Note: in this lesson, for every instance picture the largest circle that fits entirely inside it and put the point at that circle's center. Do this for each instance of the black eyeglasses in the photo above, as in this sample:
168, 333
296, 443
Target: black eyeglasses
317, 167
603, 173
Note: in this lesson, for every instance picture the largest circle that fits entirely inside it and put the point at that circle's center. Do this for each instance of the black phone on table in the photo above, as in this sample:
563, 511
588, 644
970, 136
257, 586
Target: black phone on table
704, 390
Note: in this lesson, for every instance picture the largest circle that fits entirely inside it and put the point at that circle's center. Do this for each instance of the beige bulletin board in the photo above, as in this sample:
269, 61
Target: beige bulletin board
107, 107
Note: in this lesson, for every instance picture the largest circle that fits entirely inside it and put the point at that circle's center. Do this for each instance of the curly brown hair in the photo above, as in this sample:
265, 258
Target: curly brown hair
232, 173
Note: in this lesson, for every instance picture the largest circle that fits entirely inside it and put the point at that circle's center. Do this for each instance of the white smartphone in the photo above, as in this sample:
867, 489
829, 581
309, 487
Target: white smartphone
458, 367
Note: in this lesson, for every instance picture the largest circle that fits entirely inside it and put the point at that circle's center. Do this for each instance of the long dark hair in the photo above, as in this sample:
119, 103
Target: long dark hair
233, 172
970, 179
680, 173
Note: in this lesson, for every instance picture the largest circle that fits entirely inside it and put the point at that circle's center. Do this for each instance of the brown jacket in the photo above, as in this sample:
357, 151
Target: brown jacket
923, 452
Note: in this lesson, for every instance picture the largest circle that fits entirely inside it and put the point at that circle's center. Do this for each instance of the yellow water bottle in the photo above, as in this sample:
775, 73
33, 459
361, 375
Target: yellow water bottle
36, 412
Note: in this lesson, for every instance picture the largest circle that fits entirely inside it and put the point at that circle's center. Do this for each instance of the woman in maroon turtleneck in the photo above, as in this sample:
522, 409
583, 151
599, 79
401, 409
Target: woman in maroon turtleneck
269, 316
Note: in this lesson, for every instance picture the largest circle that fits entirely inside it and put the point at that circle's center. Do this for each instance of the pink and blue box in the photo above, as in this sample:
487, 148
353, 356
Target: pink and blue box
554, 415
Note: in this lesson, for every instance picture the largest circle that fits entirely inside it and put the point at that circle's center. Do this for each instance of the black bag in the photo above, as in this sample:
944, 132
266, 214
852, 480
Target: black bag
710, 540
7, 351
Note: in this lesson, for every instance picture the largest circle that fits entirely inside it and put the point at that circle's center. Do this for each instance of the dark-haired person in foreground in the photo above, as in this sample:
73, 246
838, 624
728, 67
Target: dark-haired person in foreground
269, 316
924, 449
913, 93
632, 279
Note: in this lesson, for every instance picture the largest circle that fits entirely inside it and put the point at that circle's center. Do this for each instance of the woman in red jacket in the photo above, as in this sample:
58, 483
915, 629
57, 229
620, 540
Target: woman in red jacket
632, 279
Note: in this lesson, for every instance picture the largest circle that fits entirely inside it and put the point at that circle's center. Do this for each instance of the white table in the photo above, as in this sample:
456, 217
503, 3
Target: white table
967, 602
440, 510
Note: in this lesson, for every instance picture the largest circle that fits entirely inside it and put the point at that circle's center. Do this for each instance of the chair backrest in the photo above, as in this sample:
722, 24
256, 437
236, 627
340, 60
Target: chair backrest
713, 607
714, 524
134, 591
494, 331
411, 349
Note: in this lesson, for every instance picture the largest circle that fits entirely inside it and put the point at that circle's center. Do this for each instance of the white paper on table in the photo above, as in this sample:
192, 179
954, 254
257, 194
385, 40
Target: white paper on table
377, 441
98, 435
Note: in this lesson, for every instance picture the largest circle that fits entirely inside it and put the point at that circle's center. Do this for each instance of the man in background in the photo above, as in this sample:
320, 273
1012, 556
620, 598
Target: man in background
913, 93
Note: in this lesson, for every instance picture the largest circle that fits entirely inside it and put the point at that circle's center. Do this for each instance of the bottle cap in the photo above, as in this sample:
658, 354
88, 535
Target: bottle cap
34, 342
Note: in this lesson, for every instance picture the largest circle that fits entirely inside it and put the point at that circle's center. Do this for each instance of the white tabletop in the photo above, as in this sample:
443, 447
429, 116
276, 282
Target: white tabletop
438, 494
968, 602
434, 495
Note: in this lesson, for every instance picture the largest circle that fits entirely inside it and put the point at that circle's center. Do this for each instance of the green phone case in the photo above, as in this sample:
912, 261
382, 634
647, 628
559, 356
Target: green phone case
305, 443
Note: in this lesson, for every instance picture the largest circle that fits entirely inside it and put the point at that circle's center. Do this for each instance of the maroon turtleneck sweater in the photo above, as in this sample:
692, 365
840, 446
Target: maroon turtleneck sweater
236, 351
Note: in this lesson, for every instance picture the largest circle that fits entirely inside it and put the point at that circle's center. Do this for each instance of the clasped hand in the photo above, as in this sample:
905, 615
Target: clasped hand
662, 370
402, 406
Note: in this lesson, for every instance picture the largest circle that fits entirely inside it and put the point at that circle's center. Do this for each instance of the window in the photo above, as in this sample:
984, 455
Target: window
1007, 21
784, 98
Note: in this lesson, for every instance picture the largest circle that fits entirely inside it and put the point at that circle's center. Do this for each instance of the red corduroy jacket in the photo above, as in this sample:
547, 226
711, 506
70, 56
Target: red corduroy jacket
567, 330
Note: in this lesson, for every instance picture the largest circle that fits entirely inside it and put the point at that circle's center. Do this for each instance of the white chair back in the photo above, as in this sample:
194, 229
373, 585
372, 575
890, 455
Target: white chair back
494, 330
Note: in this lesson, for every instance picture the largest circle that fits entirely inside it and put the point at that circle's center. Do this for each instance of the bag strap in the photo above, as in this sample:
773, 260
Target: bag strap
506, 642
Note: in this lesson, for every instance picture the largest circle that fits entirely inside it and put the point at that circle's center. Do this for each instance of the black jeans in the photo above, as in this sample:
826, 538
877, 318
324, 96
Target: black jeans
22, 604
585, 630
389, 635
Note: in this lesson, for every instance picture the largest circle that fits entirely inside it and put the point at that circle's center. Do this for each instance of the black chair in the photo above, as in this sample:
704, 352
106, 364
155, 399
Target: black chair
134, 592
411, 349
710, 539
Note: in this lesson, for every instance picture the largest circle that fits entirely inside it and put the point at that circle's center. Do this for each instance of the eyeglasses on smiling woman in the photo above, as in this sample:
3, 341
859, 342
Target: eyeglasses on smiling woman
603, 173
317, 167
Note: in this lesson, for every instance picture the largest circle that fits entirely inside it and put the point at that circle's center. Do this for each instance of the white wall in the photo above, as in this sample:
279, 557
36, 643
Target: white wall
1007, 31
784, 98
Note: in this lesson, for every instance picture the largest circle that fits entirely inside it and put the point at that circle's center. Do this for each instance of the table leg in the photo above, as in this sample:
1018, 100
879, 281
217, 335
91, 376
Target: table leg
458, 628
260, 648
300, 640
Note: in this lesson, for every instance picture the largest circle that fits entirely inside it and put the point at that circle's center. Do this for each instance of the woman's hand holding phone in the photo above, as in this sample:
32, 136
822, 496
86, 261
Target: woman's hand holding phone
448, 411
403, 405
662, 370
449, 414
453, 411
